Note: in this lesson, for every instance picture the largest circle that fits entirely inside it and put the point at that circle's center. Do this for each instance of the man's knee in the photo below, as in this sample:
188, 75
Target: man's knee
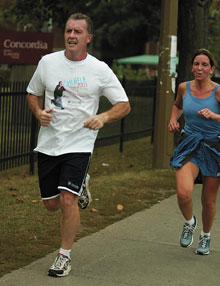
52, 204
68, 200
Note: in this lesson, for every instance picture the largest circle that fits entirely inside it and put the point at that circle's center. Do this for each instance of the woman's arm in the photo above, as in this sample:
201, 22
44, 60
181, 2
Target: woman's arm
177, 108
207, 113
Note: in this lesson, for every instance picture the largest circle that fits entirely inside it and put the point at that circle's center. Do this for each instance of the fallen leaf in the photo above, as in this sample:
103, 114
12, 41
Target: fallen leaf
113, 195
23, 176
120, 207
36, 201
93, 210
20, 200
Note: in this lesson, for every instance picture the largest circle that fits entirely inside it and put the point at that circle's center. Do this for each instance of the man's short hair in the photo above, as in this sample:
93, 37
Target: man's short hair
81, 16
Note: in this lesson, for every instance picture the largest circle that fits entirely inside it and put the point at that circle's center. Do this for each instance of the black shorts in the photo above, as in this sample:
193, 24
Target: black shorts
64, 172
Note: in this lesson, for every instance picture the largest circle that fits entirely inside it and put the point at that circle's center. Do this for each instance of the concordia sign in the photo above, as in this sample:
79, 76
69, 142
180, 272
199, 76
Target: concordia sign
24, 47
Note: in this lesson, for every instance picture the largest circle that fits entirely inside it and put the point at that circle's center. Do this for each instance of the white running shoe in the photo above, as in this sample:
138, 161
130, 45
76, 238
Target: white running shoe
61, 266
85, 197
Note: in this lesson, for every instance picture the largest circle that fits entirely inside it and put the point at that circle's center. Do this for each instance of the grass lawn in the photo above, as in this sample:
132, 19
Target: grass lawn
121, 185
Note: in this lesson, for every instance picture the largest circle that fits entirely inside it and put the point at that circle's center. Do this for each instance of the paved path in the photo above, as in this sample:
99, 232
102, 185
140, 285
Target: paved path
142, 249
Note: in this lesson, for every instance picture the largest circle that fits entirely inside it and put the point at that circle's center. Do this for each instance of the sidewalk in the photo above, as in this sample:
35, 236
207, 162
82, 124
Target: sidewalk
141, 250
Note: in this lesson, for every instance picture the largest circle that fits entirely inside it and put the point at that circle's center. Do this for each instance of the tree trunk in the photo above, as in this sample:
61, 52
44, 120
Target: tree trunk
192, 35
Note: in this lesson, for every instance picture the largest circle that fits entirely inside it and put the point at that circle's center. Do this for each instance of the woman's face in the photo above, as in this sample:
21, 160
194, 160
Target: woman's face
201, 67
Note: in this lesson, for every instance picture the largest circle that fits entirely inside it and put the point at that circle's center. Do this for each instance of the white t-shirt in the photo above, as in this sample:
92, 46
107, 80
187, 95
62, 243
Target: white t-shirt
72, 89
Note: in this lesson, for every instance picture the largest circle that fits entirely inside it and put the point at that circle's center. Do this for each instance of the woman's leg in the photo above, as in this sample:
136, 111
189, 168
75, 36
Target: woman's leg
209, 196
185, 177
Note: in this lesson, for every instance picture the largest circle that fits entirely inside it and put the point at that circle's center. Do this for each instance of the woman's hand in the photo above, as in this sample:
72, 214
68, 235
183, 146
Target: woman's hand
173, 125
207, 113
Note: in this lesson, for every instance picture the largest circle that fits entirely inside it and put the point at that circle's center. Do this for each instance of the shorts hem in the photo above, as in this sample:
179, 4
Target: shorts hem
49, 198
69, 190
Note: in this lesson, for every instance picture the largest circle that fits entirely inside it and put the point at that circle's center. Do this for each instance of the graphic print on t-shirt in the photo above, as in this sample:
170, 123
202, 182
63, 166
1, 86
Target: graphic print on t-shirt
67, 92
58, 93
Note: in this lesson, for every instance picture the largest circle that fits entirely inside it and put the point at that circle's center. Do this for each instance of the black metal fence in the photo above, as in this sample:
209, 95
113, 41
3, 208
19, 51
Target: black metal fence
19, 128
15, 125
140, 121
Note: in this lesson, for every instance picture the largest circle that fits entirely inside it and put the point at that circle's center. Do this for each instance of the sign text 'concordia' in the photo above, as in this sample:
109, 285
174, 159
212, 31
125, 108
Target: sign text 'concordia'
24, 47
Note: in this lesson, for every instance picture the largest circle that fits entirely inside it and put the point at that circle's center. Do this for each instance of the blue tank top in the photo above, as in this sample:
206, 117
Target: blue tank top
209, 128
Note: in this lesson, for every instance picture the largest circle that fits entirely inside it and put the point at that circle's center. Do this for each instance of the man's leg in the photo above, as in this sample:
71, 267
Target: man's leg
69, 224
70, 218
52, 204
66, 183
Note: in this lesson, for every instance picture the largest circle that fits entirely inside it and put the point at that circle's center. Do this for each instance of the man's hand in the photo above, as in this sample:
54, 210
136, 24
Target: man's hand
95, 122
117, 111
45, 116
35, 104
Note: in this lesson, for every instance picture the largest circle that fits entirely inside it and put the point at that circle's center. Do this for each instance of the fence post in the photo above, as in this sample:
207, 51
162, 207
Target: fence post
122, 124
154, 112
32, 143
122, 134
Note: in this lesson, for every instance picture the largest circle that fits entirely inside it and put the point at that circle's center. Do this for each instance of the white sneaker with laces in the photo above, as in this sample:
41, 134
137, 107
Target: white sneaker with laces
85, 197
61, 266
204, 245
186, 238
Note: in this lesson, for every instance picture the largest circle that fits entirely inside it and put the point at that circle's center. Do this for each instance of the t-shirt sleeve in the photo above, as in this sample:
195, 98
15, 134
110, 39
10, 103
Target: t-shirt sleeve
113, 89
36, 85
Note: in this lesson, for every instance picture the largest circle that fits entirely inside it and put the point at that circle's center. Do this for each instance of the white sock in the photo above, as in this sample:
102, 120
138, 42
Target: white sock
206, 233
191, 221
65, 252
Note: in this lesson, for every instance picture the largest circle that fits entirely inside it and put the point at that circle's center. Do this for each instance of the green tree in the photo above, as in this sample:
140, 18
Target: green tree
122, 27
34, 15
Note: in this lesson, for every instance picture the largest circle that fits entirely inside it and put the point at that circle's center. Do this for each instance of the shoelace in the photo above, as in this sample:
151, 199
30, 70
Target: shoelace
60, 261
187, 229
203, 241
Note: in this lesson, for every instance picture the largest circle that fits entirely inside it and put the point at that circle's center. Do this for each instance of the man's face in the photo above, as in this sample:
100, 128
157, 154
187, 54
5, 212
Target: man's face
76, 38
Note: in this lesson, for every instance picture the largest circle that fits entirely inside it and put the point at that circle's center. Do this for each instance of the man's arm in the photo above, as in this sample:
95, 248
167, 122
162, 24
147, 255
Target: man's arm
118, 111
35, 104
